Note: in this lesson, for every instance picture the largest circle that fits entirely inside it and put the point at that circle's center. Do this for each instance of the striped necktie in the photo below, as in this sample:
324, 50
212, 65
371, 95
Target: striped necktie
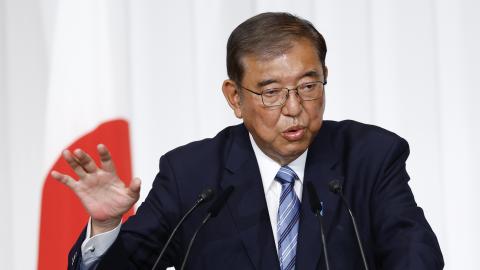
287, 219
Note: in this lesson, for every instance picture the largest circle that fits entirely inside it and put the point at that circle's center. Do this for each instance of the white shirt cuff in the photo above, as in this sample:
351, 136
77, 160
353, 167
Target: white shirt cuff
94, 247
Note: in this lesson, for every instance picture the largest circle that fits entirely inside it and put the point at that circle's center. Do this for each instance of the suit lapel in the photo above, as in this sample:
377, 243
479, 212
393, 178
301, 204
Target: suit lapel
248, 207
247, 203
320, 168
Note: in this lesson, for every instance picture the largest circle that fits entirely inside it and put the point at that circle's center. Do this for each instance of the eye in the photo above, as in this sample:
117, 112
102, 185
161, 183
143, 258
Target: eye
272, 92
308, 86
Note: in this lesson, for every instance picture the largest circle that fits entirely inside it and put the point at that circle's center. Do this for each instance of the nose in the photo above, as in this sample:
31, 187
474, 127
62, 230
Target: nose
293, 104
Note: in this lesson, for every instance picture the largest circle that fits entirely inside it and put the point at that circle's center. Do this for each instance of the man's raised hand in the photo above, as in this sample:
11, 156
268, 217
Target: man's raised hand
102, 193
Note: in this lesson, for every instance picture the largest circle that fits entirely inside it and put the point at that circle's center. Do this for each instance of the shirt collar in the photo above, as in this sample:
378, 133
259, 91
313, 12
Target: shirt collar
269, 168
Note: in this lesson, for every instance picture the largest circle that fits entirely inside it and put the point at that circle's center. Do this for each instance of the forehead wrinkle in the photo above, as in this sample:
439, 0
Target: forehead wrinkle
261, 59
309, 74
313, 73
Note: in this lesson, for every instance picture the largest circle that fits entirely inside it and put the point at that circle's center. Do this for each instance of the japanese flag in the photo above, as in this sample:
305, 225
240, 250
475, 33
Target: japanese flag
88, 104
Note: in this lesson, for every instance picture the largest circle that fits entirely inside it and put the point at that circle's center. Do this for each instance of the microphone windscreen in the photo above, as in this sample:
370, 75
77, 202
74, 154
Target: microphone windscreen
220, 201
335, 186
313, 198
206, 195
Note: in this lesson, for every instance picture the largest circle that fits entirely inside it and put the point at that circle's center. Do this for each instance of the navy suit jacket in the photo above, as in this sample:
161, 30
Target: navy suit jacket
367, 160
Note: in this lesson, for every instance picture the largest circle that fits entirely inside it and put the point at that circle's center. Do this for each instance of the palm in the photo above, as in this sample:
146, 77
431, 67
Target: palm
104, 195
101, 191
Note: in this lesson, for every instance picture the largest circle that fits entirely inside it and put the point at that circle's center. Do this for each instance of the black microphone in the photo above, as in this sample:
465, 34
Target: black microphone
216, 206
336, 188
317, 211
205, 196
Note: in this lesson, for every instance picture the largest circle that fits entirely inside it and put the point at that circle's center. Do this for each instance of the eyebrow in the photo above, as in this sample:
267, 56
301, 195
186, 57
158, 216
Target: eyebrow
311, 73
266, 82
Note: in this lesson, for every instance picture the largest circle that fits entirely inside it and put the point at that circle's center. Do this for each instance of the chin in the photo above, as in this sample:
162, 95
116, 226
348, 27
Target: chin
295, 151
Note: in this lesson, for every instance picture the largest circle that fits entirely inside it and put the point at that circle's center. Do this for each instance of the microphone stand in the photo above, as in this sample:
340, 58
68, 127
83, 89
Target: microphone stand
336, 188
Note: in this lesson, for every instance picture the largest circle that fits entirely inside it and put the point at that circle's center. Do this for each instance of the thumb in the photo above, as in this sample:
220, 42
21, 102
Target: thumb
134, 188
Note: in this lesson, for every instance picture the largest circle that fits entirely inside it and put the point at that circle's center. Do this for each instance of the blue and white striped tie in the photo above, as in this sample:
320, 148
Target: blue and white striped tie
288, 219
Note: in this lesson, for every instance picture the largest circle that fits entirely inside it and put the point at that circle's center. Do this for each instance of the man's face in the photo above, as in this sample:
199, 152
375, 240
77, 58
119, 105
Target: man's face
283, 133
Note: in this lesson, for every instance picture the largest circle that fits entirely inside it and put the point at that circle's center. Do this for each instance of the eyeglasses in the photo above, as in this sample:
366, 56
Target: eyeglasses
274, 97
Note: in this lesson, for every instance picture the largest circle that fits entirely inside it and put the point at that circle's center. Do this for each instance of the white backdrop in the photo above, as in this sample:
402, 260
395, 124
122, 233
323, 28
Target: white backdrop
409, 66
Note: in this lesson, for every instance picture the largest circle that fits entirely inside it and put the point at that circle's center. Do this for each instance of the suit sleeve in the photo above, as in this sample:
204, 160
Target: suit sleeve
75, 254
404, 239
142, 236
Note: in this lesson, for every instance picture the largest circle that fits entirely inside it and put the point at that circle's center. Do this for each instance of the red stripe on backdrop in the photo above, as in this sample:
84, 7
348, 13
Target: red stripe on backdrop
62, 215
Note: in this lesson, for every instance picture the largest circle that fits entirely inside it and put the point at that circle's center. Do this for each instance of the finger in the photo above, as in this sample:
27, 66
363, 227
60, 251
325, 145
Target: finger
134, 188
63, 178
73, 163
106, 158
87, 163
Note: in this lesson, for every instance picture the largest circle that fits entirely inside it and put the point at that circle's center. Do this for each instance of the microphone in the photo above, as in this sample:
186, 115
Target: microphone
213, 211
336, 188
205, 196
317, 211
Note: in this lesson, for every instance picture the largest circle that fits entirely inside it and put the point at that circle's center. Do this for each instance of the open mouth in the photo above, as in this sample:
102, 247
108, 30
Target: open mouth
294, 133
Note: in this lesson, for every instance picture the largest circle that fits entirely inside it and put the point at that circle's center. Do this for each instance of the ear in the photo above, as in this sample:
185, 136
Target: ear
232, 96
325, 73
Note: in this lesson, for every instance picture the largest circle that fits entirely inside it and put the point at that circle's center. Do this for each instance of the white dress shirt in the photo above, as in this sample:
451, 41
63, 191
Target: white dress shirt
272, 188
94, 247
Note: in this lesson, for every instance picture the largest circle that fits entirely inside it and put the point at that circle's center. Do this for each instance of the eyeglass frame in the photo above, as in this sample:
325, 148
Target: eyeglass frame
323, 83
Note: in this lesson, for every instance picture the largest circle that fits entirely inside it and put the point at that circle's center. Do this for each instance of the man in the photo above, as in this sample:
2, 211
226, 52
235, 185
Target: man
277, 73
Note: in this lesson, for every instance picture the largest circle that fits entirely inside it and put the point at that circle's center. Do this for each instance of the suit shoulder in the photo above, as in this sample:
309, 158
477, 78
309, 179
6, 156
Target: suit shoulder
353, 130
204, 148
355, 135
